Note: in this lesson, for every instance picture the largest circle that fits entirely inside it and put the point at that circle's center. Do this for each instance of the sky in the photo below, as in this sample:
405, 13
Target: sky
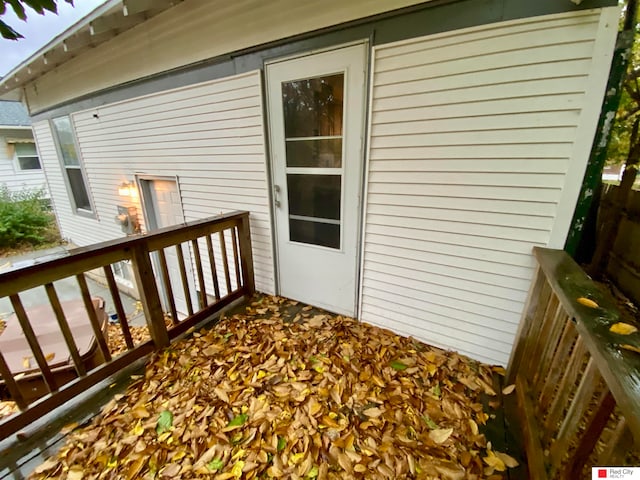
39, 30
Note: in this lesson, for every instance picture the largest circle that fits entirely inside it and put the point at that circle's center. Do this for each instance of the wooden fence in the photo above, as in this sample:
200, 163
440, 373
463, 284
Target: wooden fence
219, 251
623, 267
578, 384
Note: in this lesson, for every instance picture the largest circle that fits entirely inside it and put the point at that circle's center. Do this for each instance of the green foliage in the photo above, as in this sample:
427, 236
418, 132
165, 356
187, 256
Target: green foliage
24, 218
18, 6
624, 143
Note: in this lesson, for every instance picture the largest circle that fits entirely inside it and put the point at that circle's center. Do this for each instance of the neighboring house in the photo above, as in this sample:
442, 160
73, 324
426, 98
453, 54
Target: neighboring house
399, 159
20, 167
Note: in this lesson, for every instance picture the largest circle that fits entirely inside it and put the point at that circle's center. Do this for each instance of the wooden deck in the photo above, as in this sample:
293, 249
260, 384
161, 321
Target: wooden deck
44, 440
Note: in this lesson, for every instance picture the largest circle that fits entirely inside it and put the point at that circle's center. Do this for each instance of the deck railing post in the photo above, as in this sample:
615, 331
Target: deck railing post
246, 255
149, 296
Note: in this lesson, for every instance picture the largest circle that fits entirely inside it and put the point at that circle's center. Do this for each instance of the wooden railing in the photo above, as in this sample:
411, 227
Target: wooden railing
578, 384
217, 249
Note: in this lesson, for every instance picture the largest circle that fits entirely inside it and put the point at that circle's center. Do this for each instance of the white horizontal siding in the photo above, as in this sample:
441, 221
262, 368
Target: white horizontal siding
475, 136
209, 136
11, 176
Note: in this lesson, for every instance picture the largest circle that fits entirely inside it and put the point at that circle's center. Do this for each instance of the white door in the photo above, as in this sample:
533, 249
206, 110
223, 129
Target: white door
164, 209
316, 122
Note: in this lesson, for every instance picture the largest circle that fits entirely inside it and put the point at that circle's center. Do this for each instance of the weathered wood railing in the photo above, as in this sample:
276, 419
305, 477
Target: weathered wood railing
578, 388
210, 242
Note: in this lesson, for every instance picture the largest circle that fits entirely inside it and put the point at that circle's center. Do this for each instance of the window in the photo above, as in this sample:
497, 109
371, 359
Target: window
71, 163
27, 156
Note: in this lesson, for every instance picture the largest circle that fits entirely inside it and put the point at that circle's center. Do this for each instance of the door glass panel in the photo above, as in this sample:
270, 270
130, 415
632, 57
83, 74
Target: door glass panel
315, 153
313, 107
316, 233
316, 196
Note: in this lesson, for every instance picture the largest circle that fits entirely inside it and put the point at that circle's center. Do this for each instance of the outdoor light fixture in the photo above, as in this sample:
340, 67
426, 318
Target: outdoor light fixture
127, 189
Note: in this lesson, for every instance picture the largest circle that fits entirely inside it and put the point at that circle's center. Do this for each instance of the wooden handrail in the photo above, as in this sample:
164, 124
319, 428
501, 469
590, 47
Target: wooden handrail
570, 370
142, 251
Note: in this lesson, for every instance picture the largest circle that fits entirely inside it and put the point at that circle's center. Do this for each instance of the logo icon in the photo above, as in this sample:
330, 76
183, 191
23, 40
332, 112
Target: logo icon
602, 473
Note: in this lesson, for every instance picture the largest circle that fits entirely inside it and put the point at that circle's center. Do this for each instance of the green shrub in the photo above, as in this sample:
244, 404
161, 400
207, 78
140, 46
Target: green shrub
24, 218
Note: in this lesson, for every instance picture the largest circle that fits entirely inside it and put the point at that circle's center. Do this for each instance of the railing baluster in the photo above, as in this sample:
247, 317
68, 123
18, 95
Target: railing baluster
183, 277
246, 256
562, 394
225, 261
30, 335
558, 364
12, 386
530, 325
583, 395
93, 318
149, 297
64, 328
590, 436
200, 273
212, 264
117, 303
236, 262
167, 285
545, 352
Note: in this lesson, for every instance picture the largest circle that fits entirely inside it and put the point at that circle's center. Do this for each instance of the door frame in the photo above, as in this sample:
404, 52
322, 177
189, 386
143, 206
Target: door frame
143, 181
367, 43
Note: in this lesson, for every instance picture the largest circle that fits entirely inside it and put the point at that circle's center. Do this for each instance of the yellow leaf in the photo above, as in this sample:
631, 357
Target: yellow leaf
494, 461
474, 427
296, 458
631, 348
50, 356
622, 328
26, 362
587, 302
508, 389
508, 460
138, 429
440, 435
261, 374
236, 471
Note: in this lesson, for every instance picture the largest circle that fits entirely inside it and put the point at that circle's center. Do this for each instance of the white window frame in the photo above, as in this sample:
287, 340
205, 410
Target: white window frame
16, 158
91, 212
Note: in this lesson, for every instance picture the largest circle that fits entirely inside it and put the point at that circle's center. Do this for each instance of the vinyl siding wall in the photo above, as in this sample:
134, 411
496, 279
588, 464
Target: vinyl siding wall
210, 136
10, 175
479, 140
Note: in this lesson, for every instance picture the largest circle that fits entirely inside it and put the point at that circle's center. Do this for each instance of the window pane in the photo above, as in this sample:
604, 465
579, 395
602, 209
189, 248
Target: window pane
316, 233
64, 132
78, 189
26, 150
320, 153
313, 107
29, 163
314, 195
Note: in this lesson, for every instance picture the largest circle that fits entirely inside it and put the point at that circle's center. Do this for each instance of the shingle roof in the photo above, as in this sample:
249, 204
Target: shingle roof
13, 113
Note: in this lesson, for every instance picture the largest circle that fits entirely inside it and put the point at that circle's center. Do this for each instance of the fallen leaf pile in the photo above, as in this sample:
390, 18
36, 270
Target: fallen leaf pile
7, 408
320, 397
116, 340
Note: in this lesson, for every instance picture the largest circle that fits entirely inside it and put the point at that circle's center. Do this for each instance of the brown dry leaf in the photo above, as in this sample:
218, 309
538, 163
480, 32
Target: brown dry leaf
509, 389
263, 394
587, 302
622, 328
440, 435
